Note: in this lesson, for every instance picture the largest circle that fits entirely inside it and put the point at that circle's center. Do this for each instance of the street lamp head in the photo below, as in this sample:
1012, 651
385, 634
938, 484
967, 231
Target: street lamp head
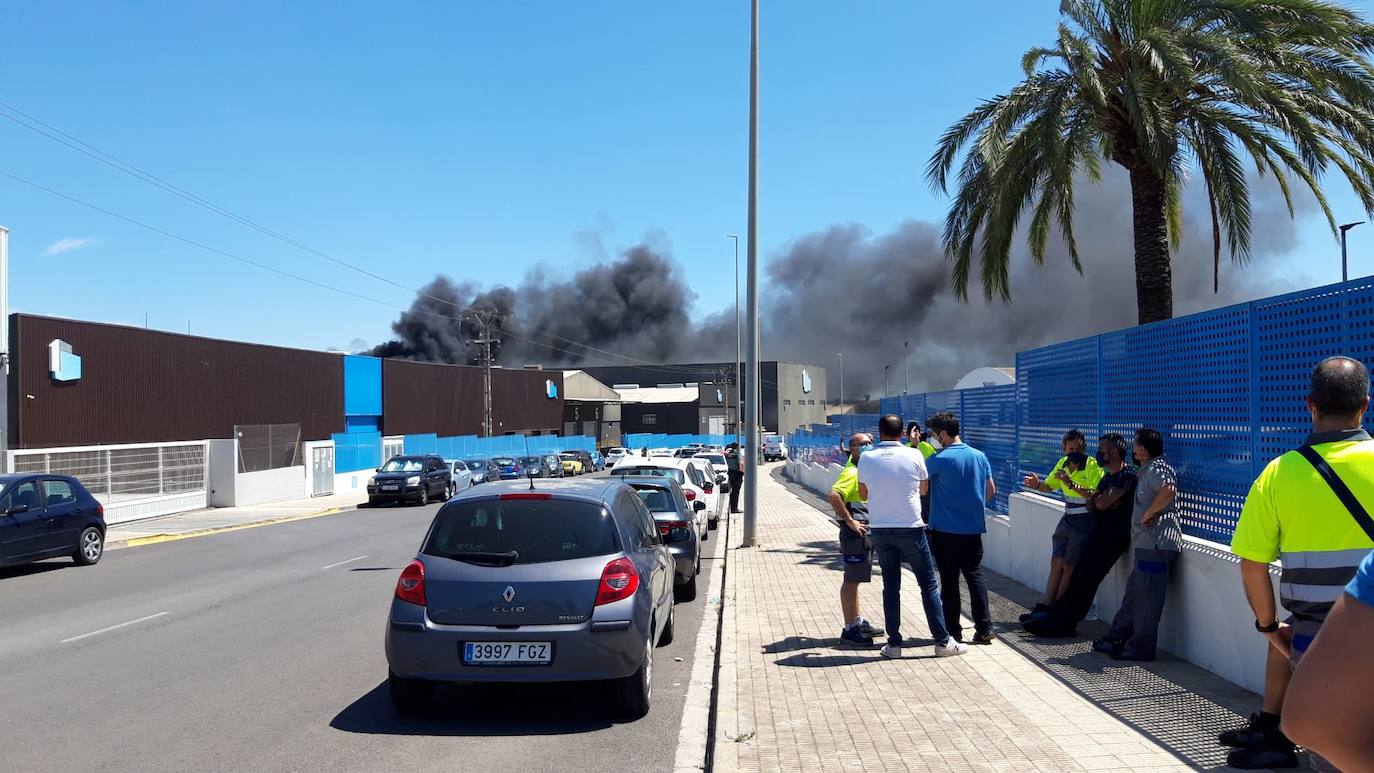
732, 236
1349, 226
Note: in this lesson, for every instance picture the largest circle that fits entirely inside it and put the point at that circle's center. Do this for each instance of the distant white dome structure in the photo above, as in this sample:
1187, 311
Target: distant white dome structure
981, 377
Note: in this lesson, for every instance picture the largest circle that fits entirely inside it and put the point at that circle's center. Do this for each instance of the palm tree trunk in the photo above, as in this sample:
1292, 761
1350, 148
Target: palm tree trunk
1154, 291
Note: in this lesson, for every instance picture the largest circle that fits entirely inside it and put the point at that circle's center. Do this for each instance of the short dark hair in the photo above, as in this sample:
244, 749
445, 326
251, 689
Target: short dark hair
890, 426
912, 425
944, 421
1113, 440
1340, 386
1150, 440
1074, 435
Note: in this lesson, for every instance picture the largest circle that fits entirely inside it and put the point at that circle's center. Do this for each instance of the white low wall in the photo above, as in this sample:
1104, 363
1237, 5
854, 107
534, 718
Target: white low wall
1206, 620
345, 482
231, 488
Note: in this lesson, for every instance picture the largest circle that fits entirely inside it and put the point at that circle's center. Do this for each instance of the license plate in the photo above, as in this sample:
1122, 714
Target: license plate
507, 653
391, 488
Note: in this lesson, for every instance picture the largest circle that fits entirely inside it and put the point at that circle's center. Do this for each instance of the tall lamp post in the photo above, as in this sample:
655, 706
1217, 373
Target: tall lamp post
886, 392
906, 357
1345, 272
738, 359
751, 459
841, 356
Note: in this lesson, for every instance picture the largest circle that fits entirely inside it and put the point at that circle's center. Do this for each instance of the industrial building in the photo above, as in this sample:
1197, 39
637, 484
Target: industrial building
141, 415
700, 398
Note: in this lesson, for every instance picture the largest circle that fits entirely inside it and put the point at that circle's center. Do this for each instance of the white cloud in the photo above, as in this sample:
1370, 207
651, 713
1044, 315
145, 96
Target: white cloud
68, 244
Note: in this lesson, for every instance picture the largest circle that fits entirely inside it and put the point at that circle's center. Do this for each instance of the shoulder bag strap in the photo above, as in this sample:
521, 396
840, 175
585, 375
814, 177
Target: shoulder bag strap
1341, 490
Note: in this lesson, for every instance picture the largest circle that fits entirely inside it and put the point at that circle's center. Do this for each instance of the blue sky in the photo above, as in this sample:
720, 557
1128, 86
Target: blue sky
480, 140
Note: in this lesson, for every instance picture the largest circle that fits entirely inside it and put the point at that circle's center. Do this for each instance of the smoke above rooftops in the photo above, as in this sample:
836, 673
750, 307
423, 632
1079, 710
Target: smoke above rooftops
847, 289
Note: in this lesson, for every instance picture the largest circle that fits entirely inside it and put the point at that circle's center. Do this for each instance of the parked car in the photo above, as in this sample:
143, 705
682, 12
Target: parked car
701, 475
675, 469
483, 470
49, 516
598, 461
717, 460
410, 479
572, 464
614, 455
653, 452
508, 468
568, 583
774, 448
686, 452
462, 476
588, 463
554, 465
674, 516
534, 466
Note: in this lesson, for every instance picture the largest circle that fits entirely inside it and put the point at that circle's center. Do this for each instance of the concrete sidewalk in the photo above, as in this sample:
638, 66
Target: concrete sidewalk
791, 698
212, 519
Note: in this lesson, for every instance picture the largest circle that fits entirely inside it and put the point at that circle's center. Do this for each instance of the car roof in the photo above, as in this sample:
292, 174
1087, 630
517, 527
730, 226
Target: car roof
656, 481
15, 477
585, 488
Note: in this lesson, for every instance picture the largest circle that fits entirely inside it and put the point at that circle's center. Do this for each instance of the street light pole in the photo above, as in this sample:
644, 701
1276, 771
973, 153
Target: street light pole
906, 356
751, 459
738, 358
1345, 272
841, 356
886, 368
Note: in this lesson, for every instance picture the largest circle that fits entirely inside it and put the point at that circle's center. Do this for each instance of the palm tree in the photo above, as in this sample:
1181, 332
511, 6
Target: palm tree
1166, 89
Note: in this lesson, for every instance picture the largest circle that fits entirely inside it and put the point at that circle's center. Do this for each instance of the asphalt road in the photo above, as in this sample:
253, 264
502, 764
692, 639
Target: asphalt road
261, 650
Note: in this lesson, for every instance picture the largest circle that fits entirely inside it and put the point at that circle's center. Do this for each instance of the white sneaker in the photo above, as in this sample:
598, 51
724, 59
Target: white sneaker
892, 651
950, 649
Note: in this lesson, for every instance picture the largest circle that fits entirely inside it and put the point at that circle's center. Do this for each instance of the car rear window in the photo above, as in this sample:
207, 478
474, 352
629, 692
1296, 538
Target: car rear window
658, 500
537, 530
657, 472
713, 458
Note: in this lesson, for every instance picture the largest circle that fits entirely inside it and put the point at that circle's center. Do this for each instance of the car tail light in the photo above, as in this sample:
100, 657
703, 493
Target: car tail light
691, 495
527, 495
411, 586
710, 487
619, 580
666, 526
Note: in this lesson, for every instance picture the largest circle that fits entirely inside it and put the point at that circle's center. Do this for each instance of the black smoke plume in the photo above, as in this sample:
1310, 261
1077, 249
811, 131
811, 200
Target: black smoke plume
846, 290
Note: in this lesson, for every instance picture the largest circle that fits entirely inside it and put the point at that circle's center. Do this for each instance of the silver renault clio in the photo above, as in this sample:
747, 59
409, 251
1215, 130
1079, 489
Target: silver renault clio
566, 582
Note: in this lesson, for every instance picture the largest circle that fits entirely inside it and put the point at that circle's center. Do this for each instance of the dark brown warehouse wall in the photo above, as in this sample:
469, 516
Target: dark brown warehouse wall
420, 398
141, 386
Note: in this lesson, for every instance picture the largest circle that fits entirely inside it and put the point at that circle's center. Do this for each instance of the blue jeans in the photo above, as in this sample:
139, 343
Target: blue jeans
908, 546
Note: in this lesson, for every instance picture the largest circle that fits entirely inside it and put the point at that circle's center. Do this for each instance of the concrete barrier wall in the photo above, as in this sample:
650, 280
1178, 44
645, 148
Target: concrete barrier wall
1206, 620
231, 488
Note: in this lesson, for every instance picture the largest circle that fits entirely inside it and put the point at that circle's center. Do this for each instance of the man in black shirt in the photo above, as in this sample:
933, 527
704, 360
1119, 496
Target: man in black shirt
1112, 504
734, 465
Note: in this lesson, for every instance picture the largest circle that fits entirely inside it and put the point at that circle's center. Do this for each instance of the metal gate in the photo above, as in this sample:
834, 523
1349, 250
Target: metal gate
322, 471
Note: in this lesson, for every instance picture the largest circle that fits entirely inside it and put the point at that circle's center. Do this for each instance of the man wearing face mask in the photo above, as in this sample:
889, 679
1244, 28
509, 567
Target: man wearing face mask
852, 514
1111, 505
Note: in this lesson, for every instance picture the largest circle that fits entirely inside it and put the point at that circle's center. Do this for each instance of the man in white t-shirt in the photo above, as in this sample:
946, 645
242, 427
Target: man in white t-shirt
890, 478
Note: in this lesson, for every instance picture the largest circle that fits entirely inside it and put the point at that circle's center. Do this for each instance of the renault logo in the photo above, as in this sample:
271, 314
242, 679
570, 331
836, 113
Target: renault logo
508, 594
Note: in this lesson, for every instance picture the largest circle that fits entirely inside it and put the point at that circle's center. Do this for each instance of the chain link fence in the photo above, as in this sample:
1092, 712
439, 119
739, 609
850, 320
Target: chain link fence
268, 446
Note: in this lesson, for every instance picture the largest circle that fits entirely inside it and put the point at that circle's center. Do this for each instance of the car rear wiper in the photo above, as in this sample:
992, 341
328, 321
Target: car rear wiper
487, 559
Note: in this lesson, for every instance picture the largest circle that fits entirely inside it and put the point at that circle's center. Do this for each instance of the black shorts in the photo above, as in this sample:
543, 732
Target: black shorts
857, 554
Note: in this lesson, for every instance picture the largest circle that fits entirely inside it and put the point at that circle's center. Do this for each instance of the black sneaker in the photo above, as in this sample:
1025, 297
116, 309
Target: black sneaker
1039, 610
1251, 735
985, 638
1280, 753
856, 637
866, 628
1107, 646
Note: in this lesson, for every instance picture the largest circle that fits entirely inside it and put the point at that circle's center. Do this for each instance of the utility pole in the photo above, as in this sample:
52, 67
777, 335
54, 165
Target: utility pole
886, 391
841, 356
4, 347
1345, 272
751, 459
739, 359
483, 319
906, 357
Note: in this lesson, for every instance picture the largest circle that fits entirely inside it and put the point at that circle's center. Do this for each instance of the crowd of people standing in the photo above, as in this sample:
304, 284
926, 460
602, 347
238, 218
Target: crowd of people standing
919, 499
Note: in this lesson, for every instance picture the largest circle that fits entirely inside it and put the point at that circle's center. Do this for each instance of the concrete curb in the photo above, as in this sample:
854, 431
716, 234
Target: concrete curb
154, 539
696, 711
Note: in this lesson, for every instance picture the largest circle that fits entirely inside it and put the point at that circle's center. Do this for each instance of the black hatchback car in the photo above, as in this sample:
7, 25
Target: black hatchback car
49, 516
411, 479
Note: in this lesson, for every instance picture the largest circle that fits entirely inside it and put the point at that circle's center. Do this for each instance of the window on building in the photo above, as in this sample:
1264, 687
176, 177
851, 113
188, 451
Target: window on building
650, 418
786, 402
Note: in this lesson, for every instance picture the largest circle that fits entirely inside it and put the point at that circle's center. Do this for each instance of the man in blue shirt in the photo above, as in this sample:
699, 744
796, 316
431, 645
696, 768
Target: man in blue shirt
960, 486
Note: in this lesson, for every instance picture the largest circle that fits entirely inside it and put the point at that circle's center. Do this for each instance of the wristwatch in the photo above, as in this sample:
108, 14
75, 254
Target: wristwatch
1274, 626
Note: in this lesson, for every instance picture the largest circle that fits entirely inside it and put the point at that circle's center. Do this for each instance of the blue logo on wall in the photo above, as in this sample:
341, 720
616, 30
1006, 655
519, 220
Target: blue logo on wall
806, 382
62, 364
550, 389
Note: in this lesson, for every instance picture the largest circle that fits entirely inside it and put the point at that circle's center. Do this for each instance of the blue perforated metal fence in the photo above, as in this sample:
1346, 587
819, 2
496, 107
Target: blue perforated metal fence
1225, 387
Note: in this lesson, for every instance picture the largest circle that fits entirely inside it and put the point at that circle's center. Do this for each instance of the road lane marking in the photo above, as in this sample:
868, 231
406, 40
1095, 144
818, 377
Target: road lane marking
341, 563
112, 628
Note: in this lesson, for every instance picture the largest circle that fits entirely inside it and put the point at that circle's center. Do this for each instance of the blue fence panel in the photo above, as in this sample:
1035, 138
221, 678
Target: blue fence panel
354, 451
1057, 390
987, 418
421, 444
